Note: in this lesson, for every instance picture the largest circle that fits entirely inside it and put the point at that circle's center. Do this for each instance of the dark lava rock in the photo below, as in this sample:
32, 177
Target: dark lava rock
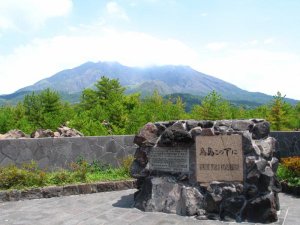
251, 191
207, 132
141, 155
206, 123
261, 164
222, 128
242, 125
174, 135
147, 136
166, 139
212, 204
264, 183
196, 131
248, 148
253, 177
232, 207
261, 130
160, 128
255, 199
276, 185
137, 170
250, 162
274, 164
261, 209
216, 193
164, 194
190, 124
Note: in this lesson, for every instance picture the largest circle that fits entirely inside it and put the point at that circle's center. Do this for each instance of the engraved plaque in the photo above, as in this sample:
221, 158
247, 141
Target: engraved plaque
219, 158
169, 159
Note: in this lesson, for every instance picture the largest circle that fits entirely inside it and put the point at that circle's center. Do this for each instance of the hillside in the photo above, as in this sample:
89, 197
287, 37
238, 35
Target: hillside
167, 79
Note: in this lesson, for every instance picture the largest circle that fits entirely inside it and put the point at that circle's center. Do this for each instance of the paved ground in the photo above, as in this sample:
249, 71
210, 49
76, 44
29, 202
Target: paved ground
111, 208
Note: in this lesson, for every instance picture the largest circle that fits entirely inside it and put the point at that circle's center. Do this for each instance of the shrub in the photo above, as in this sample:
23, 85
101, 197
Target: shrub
27, 175
60, 177
80, 170
292, 164
97, 166
126, 163
289, 170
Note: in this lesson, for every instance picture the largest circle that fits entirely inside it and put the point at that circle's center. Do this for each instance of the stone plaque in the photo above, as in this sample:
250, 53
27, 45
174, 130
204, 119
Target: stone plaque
219, 158
169, 159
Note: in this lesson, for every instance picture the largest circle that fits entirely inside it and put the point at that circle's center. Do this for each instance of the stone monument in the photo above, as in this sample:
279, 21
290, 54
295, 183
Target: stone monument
209, 169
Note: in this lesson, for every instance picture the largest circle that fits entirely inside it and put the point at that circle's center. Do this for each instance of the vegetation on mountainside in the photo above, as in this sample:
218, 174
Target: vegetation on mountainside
106, 109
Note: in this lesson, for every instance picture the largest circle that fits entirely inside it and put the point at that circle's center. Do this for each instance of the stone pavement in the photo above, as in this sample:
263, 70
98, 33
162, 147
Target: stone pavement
111, 208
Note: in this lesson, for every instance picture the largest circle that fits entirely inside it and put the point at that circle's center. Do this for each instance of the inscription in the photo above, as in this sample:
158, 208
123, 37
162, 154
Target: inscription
219, 158
219, 166
211, 152
169, 159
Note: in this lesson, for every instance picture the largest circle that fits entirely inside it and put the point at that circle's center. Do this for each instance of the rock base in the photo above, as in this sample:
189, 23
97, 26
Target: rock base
218, 201
254, 199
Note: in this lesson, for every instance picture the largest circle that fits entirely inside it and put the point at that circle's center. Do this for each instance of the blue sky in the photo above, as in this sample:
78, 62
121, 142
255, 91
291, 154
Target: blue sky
253, 44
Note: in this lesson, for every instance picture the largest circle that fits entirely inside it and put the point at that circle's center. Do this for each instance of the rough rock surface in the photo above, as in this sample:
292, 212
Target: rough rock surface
62, 131
147, 135
13, 134
255, 199
41, 133
165, 194
68, 132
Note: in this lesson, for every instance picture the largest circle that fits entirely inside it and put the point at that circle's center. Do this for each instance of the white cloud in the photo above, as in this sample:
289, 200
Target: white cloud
253, 42
115, 10
257, 69
204, 14
269, 41
44, 57
216, 46
248, 66
21, 15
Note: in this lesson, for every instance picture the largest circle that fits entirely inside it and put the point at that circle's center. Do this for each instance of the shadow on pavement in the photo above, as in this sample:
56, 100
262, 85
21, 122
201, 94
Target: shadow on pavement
125, 202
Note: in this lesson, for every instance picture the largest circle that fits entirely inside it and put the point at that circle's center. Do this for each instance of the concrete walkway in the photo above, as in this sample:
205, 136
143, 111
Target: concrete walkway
111, 208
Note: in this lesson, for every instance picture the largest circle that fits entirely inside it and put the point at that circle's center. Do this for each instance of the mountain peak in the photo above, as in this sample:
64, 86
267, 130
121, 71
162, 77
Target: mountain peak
167, 79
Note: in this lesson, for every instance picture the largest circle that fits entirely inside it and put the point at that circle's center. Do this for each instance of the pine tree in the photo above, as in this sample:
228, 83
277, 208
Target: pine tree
213, 107
279, 113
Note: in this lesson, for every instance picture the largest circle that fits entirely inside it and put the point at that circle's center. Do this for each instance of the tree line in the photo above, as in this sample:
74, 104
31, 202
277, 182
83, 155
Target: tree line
106, 110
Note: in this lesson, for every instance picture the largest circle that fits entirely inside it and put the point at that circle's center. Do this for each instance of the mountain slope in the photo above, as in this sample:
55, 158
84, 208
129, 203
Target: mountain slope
166, 79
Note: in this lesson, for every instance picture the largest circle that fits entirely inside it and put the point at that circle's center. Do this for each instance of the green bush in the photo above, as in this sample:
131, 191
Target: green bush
61, 177
288, 171
26, 176
29, 175
126, 163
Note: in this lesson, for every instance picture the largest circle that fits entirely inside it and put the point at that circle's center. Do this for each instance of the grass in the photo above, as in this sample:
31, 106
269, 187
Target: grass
30, 176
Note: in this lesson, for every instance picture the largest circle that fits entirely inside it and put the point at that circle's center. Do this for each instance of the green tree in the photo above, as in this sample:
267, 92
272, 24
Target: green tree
90, 122
154, 108
259, 112
105, 104
213, 107
33, 110
296, 116
50, 101
239, 112
46, 110
280, 112
20, 120
6, 119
